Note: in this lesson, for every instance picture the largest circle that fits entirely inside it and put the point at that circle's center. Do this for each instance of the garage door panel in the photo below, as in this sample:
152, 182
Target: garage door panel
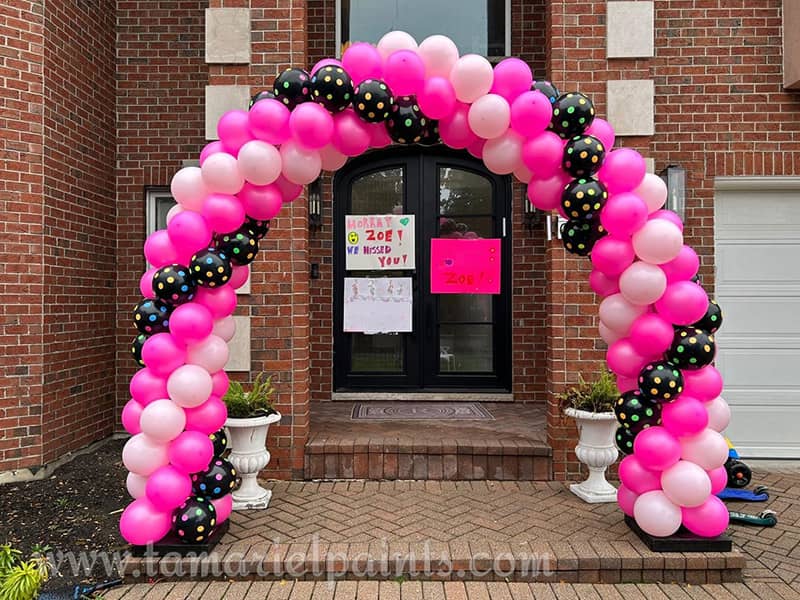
763, 317
758, 265
748, 215
764, 369
780, 422
760, 397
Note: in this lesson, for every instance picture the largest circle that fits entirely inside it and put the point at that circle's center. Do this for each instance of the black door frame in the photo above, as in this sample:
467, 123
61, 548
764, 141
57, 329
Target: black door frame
421, 373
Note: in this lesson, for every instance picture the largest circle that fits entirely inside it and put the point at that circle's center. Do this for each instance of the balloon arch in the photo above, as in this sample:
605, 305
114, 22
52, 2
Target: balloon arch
656, 318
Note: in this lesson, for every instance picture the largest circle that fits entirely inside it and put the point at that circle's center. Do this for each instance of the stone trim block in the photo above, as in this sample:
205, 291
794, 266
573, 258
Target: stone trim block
239, 359
629, 30
219, 100
631, 106
227, 35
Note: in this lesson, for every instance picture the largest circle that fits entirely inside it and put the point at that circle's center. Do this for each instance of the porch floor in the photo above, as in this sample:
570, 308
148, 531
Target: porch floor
511, 446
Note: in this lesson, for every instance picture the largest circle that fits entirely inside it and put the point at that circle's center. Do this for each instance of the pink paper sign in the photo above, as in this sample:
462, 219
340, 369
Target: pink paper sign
461, 266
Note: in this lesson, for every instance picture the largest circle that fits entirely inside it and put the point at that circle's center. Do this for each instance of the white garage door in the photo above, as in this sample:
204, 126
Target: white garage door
757, 233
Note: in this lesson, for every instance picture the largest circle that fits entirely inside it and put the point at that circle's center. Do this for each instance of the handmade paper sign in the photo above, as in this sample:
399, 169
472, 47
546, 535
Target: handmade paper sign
377, 305
460, 266
379, 242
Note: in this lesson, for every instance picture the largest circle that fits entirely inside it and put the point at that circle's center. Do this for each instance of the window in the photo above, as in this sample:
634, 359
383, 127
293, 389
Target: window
158, 204
476, 26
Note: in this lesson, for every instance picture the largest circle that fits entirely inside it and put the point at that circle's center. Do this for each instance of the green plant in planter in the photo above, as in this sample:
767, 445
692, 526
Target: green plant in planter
255, 403
21, 580
595, 396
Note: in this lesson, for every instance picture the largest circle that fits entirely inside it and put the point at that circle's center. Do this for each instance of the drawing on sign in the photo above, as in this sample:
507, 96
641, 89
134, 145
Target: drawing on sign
377, 242
377, 305
465, 266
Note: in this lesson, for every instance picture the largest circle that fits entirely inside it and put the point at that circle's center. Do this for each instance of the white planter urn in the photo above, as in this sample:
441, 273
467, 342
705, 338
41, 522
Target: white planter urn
597, 450
248, 443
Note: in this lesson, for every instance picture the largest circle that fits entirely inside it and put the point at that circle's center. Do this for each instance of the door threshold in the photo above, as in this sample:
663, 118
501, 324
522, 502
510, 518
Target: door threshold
439, 396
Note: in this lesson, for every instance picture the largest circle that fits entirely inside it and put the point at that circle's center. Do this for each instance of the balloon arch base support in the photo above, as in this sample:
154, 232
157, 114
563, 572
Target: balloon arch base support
172, 545
654, 314
682, 540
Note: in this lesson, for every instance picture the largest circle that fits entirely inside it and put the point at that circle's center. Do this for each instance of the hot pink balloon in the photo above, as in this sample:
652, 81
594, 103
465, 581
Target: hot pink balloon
542, 154
189, 232
512, 77
233, 129
623, 359
211, 354
642, 283
159, 249
609, 335
220, 382
682, 267
190, 323
362, 61
719, 479
719, 414
623, 170
602, 130
224, 507
637, 478
378, 136
269, 121
626, 384
439, 53
131, 413
300, 165
240, 275
146, 283
686, 484
225, 328
311, 125
626, 500
531, 113
260, 162
437, 98
143, 455
188, 189
162, 354
612, 255
651, 334
656, 448
224, 213
653, 191
325, 62
142, 524
545, 194
404, 72
455, 130
683, 303
710, 519
135, 484
162, 420
656, 515
684, 416
476, 148
394, 41
208, 417
350, 135
472, 77
623, 214
221, 173
707, 449
220, 301
602, 284
704, 384
189, 385
332, 159
489, 116
173, 212
262, 202
501, 155
668, 215
191, 452
146, 386
209, 149
658, 241
619, 314
167, 488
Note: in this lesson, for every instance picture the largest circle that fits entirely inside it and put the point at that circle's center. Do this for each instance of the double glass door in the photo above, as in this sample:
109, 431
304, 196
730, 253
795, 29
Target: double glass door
459, 341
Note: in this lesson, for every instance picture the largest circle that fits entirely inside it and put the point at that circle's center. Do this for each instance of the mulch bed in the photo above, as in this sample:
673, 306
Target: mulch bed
75, 510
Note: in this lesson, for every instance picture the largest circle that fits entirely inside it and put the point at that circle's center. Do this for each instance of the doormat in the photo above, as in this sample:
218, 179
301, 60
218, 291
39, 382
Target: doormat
419, 411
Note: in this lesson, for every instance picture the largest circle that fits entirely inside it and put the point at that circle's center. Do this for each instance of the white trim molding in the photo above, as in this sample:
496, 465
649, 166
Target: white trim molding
757, 183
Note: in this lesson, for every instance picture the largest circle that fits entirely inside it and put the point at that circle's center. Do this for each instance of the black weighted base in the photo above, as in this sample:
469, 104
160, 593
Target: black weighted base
172, 544
681, 541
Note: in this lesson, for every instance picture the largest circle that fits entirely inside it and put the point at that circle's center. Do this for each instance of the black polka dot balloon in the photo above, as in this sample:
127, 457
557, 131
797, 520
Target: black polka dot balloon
691, 348
636, 412
263, 95
572, 114
430, 134
547, 88
583, 198
220, 441
194, 520
136, 348
406, 123
257, 226
373, 101
151, 316
211, 268
712, 320
580, 235
660, 381
293, 87
174, 285
583, 156
241, 246
218, 480
624, 438
332, 87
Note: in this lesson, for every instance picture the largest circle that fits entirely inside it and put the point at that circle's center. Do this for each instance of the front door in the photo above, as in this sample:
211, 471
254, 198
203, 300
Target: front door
459, 342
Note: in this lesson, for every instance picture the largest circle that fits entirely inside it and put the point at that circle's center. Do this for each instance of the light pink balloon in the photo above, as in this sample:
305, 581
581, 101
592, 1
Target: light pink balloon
653, 191
146, 386
542, 154
131, 413
710, 519
233, 129
642, 283
362, 61
191, 452
262, 202
656, 448
189, 232
626, 500
224, 507
437, 98
162, 354
438, 53
395, 40
209, 149
146, 283
609, 335
311, 126
619, 314
656, 515
719, 479
159, 249
636, 478
704, 384
300, 165
350, 134
190, 323
682, 267
188, 188
211, 354
143, 455
602, 130
220, 381
455, 130
683, 303
332, 159
623, 359
623, 214
522, 173
141, 524
269, 121
135, 484
167, 488
189, 385
667, 215
512, 77
612, 255
686, 484
224, 213
404, 72
260, 162
651, 334
501, 155
658, 241
220, 301
602, 284
162, 420
472, 77
225, 328
623, 170
684, 416
719, 414
221, 173
545, 194
489, 116
208, 417
707, 449
531, 113
240, 275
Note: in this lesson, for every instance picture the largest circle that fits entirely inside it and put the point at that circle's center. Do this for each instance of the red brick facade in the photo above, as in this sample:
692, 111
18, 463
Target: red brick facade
720, 110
